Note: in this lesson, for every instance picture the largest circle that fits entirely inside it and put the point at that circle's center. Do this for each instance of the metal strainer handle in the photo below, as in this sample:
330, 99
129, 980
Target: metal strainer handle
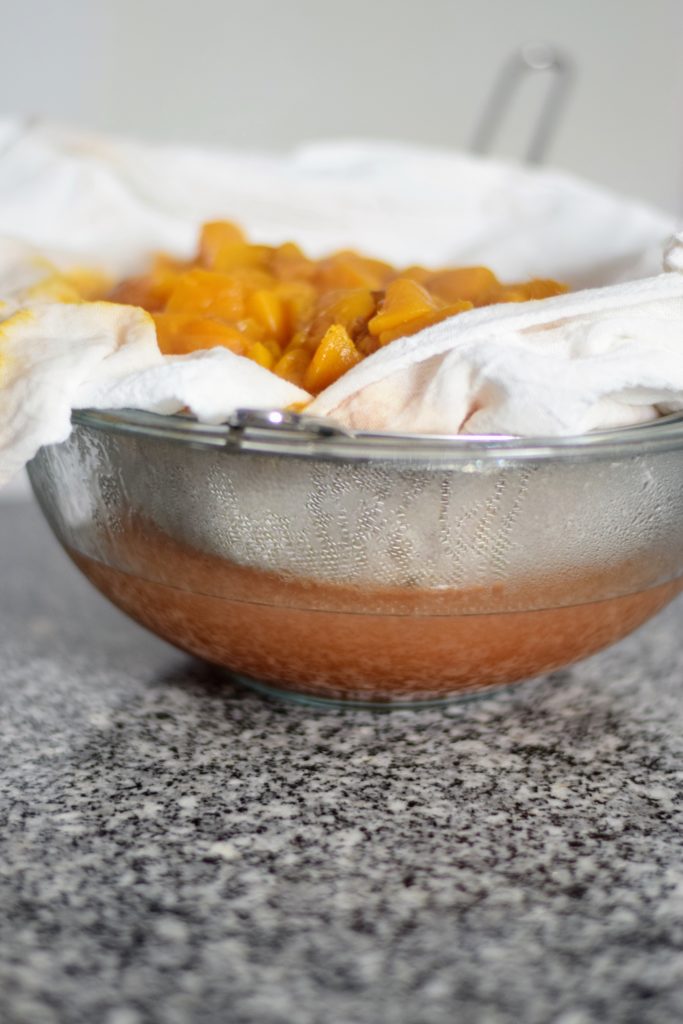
529, 59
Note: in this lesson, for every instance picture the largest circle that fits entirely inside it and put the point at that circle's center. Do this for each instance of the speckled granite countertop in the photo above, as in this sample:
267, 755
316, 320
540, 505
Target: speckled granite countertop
176, 850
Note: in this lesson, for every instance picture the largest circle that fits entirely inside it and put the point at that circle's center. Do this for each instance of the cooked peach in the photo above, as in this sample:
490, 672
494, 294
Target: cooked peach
351, 308
202, 291
293, 365
309, 321
403, 302
178, 334
477, 285
427, 319
335, 354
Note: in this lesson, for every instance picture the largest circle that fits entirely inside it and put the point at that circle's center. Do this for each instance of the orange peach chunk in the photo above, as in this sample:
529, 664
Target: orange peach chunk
477, 285
309, 321
261, 354
293, 365
214, 237
335, 354
420, 322
178, 334
349, 307
404, 301
267, 309
203, 291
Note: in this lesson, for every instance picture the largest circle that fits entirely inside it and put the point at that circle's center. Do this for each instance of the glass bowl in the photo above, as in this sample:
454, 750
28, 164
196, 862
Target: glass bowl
372, 569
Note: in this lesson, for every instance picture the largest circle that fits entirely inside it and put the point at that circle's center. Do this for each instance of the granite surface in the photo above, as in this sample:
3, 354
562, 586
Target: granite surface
175, 849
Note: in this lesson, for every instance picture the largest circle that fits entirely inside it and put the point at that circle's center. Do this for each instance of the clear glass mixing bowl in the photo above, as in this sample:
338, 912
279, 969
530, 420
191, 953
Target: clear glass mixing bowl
369, 568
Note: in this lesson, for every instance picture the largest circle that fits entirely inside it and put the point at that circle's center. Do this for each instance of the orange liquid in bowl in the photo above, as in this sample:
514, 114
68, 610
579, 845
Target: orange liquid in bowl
387, 644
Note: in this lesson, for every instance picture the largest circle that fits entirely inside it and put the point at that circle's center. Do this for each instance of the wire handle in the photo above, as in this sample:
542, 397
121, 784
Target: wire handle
530, 59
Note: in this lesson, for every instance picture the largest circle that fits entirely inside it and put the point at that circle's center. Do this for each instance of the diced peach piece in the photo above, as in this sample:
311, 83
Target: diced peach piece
203, 291
162, 263
350, 307
420, 322
539, 288
335, 355
293, 365
349, 270
252, 278
241, 254
215, 236
477, 285
139, 291
261, 355
168, 327
288, 263
267, 309
298, 301
298, 340
164, 276
251, 329
178, 334
415, 273
272, 347
383, 272
366, 344
404, 300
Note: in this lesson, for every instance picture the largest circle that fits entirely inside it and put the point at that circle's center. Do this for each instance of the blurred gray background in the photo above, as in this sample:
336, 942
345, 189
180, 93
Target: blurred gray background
271, 74
268, 73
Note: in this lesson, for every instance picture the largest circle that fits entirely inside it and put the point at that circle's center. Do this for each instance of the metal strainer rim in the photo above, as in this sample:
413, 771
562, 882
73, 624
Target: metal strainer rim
275, 433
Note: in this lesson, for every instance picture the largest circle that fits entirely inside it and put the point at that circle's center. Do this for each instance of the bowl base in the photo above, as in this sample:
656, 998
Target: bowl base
310, 700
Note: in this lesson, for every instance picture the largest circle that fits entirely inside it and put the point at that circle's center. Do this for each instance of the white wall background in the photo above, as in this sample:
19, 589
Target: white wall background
272, 73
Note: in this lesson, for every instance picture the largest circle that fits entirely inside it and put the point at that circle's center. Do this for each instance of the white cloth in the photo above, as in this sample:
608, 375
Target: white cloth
46, 352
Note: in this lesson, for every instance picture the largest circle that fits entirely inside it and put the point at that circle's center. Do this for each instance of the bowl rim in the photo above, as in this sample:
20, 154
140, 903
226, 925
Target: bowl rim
274, 433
